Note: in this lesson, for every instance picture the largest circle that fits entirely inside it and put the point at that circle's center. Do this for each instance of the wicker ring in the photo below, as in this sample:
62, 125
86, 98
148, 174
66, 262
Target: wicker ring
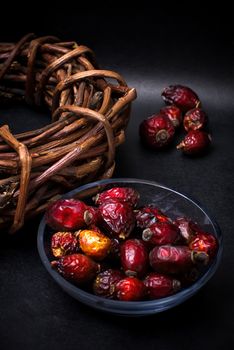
89, 116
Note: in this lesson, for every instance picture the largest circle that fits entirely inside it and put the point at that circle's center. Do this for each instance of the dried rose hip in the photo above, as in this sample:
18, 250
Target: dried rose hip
67, 214
195, 119
105, 283
123, 194
157, 131
195, 142
94, 244
173, 113
117, 217
187, 228
147, 216
130, 289
204, 242
63, 243
161, 233
114, 253
175, 259
159, 286
77, 268
181, 96
134, 257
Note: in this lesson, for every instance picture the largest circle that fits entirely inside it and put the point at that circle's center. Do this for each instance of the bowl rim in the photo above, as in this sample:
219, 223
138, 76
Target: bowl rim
87, 297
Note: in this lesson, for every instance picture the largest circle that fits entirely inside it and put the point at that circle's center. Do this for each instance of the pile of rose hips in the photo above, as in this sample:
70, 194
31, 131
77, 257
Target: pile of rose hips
123, 252
158, 130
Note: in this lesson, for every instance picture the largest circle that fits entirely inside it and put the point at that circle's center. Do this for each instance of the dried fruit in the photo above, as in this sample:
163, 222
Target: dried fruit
195, 142
77, 268
130, 289
117, 217
63, 243
157, 131
134, 257
187, 228
159, 286
123, 194
94, 244
92, 216
175, 259
147, 216
173, 113
181, 96
67, 214
195, 119
204, 242
114, 253
105, 283
161, 233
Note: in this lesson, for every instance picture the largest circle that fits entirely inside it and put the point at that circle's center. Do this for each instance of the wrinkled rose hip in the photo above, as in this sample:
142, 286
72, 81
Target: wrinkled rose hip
63, 243
161, 233
123, 194
181, 96
195, 119
117, 217
149, 215
195, 142
94, 244
157, 131
204, 242
105, 283
160, 286
187, 228
174, 114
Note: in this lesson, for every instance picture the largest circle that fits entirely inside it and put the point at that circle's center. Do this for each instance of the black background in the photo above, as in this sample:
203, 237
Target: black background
151, 48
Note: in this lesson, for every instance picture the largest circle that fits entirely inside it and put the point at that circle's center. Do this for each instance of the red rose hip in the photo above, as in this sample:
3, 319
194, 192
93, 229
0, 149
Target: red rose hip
105, 283
181, 96
204, 242
117, 218
157, 131
77, 268
134, 257
195, 142
130, 289
123, 194
159, 286
67, 214
195, 119
174, 114
149, 215
187, 228
63, 243
161, 233
175, 259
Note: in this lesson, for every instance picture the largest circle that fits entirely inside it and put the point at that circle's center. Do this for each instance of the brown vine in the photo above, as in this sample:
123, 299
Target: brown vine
89, 116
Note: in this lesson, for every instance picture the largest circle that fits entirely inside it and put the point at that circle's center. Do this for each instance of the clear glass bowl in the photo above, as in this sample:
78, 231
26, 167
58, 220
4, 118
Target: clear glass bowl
172, 203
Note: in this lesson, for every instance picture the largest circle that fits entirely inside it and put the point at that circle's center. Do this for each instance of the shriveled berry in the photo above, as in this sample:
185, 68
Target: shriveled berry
63, 243
147, 216
77, 268
123, 194
159, 286
130, 289
195, 119
161, 233
181, 96
204, 242
175, 259
187, 228
157, 131
67, 214
105, 283
134, 257
195, 142
173, 113
117, 218
94, 244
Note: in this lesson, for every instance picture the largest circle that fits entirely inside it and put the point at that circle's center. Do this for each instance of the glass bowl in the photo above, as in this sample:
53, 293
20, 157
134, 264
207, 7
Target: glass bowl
172, 203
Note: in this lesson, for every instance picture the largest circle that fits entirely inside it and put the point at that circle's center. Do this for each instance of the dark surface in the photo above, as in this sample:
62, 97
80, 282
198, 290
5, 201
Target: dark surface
151, 50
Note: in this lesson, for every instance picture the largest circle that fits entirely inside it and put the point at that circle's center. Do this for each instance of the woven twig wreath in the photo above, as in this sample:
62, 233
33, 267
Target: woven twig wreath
89, 115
